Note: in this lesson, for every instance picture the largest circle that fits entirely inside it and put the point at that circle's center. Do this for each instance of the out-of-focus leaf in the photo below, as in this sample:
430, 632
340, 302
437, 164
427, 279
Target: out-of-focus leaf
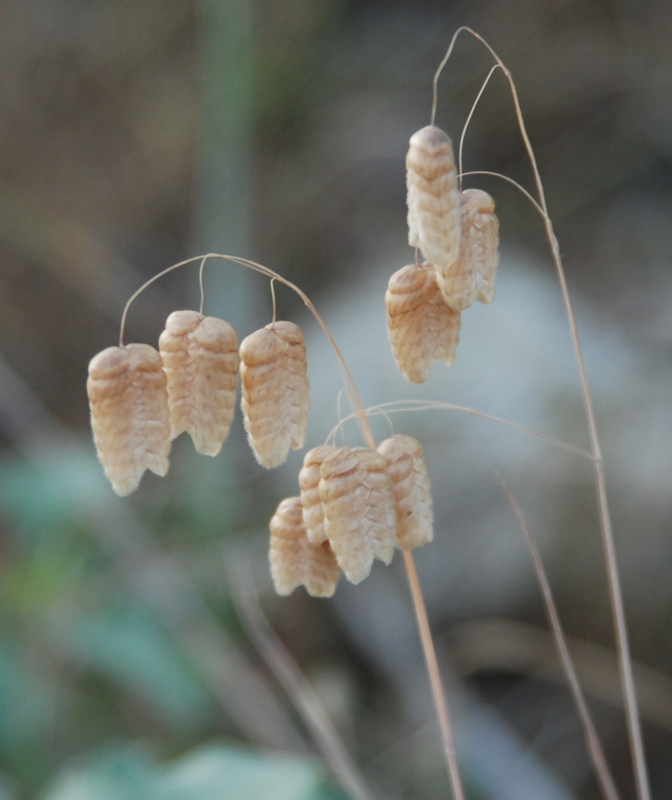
46, 496
214, 772
128, 646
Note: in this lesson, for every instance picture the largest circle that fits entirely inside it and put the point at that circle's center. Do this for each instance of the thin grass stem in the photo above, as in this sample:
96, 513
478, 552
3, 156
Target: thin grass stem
593, 744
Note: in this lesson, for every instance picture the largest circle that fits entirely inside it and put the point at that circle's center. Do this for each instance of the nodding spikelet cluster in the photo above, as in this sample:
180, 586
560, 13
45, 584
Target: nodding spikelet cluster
360, 504
200, 358
129, 414
141, 399
458, 233
275, 391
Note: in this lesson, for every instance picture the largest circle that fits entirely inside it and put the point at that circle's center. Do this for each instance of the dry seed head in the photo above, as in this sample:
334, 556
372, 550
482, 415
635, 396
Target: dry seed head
129, 414
295, 560
309, 479
275, 391
433, 199
359, 514
420, 325
412, 494
200, 357
472, 276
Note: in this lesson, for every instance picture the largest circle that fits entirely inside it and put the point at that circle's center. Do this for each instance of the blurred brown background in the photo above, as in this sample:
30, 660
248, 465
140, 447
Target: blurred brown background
137, 134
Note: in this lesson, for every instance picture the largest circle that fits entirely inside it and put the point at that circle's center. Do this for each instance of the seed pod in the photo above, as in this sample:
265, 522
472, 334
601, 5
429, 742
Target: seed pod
433, 199
309, 479
412, 495
275, 391
420, 325
200, 357
129, 414
472, 276
359, 514
294, 560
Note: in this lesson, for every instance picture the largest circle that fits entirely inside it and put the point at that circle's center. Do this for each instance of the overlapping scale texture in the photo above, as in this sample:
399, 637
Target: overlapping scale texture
421, 327
200, 357
129, 414
472, 276
275, 391
309, 480
359, 512
294, 560
433, 198
412, 492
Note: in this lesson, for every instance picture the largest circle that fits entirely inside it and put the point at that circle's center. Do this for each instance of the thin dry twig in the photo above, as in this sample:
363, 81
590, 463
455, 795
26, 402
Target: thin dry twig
593, 743
289, 675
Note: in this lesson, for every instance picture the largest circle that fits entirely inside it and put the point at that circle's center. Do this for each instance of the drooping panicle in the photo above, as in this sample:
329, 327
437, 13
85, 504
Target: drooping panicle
294, 560
472, 276
359, 515
200, 357
129, 414
412, 493
433, 198
309, 480
421, 327
275, 391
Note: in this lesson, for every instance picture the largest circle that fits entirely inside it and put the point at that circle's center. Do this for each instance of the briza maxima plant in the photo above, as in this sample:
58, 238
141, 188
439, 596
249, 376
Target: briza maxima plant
354, 505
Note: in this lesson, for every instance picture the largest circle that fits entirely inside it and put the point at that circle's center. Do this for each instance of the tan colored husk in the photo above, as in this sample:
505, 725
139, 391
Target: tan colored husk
294, 560
359, 514
472, 276
433, 198
421, 327
129, 414
412, 493
275, 391
309, 479
200, 357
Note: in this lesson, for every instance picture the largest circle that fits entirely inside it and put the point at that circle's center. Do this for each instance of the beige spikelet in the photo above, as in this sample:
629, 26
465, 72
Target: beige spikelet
359, 514
420, 325
309, 479
129, 414
200, 357
295, 560
275, 391
412, 494
433, 199
472, 276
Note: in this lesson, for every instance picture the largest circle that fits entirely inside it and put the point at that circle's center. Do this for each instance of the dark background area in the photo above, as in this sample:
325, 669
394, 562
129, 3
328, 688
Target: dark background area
137, 134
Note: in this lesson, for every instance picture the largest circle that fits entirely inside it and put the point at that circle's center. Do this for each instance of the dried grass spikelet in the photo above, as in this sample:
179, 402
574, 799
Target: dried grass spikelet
275, 391
412, 494
309, 480
359, 515
472, 276
129, 414
200, 357
420, 325
433, 198
295, 560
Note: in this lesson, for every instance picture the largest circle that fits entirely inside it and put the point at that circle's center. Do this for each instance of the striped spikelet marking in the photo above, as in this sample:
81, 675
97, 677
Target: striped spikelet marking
309, 480
472, 276
359, 515
420, 325
433, 198
200, 357
294, 560
412, 493
275, 391
129, 414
